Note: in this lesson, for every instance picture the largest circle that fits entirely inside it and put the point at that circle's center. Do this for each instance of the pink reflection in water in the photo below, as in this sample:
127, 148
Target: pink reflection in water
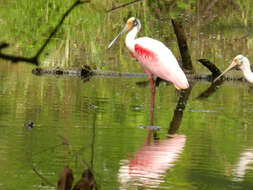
150, 163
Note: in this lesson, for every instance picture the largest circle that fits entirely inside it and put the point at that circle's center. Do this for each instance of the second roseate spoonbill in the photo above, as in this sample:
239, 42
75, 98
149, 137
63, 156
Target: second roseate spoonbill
154, 57
243, 63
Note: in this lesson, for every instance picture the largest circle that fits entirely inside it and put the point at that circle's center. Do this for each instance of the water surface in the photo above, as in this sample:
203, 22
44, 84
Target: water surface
202, 143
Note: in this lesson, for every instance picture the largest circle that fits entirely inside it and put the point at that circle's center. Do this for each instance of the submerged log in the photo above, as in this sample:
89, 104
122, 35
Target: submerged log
83, 72
87, 72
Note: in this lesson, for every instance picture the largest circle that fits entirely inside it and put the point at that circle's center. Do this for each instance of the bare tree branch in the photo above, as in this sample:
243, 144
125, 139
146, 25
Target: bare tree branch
122, 6
35, 59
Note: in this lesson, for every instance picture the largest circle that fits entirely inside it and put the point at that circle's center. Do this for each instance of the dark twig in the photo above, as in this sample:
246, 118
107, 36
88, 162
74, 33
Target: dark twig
35, 59
122, 6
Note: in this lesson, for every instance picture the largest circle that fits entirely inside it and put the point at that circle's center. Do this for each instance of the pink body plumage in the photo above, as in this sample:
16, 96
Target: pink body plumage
155, 58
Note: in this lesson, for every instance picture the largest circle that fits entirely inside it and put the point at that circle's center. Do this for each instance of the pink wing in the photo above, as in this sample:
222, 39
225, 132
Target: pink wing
157, 59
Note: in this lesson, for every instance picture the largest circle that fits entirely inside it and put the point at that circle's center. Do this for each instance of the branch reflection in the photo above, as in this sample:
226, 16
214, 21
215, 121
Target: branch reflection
210, 90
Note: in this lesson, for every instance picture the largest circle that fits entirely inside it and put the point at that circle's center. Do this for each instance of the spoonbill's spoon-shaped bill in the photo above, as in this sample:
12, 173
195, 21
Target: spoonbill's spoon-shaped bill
125, 29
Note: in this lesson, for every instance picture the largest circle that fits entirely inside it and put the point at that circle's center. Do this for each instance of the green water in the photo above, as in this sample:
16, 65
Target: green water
104, 118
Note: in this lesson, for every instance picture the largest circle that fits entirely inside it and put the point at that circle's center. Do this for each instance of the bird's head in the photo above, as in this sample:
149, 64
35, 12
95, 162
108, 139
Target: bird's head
240, 62
130, 24
133, 22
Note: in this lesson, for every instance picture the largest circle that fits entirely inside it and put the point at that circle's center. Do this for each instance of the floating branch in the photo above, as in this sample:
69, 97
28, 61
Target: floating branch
35, 59
211, 67
182, 44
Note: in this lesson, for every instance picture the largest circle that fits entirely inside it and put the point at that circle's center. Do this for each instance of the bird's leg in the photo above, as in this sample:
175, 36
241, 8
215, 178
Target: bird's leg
149, 137
152, 100
150, 132
152, 83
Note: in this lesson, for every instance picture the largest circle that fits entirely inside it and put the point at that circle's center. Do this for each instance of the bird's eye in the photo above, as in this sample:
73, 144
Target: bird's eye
135, 23
240, 61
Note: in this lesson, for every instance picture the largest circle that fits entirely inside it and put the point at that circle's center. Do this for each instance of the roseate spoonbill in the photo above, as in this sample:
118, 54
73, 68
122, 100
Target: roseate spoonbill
154, 57
243, 63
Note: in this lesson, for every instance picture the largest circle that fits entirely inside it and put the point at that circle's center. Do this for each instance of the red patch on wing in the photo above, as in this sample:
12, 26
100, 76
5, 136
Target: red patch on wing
144, 52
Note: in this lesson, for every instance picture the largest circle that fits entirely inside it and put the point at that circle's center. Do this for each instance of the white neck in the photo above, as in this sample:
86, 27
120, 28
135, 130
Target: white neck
130, 38
248, 75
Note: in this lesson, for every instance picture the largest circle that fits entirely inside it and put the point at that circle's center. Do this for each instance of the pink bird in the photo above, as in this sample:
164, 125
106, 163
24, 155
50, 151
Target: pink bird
154, 57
